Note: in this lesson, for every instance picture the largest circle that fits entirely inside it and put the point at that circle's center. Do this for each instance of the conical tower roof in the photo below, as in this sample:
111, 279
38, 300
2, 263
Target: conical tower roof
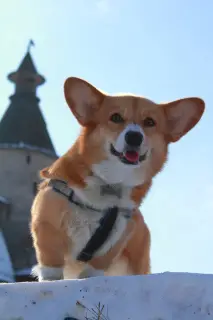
27, 64
23, 123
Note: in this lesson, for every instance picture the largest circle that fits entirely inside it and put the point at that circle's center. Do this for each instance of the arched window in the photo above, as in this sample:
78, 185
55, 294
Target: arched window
35, 188
28, 159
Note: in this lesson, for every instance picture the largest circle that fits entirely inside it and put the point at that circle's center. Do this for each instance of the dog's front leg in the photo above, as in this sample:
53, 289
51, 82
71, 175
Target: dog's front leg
50, 247
89, 272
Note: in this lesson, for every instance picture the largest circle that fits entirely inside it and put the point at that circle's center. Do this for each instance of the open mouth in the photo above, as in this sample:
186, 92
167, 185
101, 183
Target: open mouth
131, 157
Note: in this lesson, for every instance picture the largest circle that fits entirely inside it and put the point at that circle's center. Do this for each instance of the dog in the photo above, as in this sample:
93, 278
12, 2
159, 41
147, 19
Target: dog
85, 218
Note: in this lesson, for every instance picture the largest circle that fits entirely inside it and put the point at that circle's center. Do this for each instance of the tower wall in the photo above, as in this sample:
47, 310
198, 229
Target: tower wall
19, 174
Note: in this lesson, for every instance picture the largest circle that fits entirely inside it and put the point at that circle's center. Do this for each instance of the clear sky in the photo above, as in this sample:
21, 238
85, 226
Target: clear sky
159, 49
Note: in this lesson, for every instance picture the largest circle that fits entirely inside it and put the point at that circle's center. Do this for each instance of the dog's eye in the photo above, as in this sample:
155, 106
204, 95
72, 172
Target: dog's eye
116, 118
149, 122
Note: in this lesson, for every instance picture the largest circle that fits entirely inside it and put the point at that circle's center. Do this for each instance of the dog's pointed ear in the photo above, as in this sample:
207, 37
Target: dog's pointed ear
83, 99
181, 116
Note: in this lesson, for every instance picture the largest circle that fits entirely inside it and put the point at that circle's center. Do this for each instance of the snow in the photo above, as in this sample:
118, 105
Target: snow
6, 269
166, 296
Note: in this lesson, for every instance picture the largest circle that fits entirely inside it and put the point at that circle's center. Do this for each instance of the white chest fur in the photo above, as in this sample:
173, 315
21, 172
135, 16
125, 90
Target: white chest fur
84, 222
82, 226
113, 171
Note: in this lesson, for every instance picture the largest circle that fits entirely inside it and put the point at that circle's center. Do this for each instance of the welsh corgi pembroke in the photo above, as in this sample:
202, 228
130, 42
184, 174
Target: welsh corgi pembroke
85, 218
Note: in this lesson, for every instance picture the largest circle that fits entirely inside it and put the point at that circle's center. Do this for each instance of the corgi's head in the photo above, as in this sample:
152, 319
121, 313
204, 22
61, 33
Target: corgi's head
125, 137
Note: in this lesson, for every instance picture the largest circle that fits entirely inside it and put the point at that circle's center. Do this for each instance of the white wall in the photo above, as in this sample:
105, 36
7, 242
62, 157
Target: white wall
17, 178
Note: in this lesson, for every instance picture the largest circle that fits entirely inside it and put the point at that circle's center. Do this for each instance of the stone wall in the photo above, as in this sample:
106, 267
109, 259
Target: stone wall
19, 174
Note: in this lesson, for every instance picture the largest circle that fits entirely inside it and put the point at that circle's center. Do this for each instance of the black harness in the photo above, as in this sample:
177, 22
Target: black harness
106, 223
61, 187
100, 235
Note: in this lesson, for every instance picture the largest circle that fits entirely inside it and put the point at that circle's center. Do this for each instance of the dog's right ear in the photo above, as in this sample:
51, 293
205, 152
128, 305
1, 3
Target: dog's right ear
83, 99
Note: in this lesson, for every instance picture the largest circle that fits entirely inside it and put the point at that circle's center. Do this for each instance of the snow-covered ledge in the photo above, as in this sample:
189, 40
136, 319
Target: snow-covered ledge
167, 296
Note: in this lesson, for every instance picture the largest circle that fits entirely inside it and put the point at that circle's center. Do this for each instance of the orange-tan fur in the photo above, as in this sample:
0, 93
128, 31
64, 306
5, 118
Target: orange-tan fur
51, 212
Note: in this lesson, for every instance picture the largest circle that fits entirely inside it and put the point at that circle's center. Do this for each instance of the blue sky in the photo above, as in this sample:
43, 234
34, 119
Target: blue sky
159, 49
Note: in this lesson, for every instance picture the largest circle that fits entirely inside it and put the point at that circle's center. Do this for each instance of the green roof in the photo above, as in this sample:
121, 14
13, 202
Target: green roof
23, 121
27, 64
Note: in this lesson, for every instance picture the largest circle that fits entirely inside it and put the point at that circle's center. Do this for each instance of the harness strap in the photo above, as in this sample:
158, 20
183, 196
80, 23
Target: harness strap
106, 223
61, 187
100, 235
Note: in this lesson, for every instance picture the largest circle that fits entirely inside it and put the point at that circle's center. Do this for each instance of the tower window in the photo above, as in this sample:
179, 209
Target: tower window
28, 159
35, 188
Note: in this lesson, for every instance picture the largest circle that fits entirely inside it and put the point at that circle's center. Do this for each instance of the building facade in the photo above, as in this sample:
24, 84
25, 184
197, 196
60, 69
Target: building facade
25, 148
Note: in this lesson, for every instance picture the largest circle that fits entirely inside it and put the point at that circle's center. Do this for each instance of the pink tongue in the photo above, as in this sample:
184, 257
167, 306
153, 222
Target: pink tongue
132, 156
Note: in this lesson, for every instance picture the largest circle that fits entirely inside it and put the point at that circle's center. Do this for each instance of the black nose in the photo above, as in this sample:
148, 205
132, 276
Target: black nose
134, 138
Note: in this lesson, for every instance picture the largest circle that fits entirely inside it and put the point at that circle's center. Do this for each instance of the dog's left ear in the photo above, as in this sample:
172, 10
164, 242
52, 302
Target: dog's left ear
182, 115
83, 99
